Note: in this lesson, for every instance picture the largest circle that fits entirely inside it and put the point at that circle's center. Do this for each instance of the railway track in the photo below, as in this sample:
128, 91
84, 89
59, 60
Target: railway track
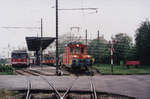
93, 94
28, 96
59, 96
26, 72
65, 71
56, 95
68, 94
93, 90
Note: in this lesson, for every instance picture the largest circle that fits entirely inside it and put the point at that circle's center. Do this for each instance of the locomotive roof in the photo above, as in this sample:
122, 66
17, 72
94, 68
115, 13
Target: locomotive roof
74, 43
34, 43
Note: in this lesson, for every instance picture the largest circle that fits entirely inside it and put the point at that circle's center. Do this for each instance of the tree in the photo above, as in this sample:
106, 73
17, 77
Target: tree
122, 45
99, 51
131, 55
143, 42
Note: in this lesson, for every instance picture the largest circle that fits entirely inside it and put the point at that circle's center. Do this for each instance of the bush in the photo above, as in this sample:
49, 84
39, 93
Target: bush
6, 68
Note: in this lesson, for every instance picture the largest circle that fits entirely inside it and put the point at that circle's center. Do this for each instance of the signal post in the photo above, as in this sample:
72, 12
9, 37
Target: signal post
111, 54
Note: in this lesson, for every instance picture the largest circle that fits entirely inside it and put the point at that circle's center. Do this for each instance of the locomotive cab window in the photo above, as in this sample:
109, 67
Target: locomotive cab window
82, 50
77, 50
71, 50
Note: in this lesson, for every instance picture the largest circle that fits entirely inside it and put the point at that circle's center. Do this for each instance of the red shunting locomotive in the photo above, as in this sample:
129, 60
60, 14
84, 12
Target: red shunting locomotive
75, 56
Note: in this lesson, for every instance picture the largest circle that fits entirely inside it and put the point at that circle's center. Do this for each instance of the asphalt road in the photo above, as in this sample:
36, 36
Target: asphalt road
130, 85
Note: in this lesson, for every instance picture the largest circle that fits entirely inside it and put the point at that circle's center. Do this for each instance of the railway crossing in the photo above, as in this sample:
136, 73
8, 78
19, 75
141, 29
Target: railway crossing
129, 86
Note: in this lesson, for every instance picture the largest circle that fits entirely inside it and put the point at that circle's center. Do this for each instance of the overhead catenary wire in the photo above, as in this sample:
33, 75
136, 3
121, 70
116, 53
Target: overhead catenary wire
19, 27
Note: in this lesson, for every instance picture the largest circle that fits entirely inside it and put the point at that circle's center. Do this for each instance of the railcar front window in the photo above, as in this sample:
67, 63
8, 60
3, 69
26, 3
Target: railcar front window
15, 56
19, 56
23, 56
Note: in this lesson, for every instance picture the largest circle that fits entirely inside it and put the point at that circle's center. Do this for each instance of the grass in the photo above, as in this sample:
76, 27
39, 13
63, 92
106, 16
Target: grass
122, 70
6, 94
6, 73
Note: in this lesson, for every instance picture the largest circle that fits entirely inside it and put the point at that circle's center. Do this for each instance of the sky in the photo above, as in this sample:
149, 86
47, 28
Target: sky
113, 16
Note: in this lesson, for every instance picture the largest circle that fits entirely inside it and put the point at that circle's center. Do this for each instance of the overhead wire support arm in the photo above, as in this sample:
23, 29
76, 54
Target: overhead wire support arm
80, 9
77, 9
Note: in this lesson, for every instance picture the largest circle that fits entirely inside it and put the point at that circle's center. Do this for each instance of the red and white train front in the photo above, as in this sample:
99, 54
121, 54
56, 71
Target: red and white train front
19, 58
75, 55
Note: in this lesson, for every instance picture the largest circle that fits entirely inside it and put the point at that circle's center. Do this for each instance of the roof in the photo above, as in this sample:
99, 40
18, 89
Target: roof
19, 51
34, 43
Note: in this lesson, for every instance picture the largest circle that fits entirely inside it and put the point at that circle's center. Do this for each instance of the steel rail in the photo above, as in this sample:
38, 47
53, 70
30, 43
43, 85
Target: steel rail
93, 88
28, 96
54, 88
51, 86
69, 88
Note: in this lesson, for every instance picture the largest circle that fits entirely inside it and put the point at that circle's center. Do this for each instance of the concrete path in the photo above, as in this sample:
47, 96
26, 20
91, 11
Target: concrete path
130, 85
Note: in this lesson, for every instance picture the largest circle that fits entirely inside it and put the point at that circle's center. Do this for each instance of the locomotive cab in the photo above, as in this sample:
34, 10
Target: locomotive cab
76, 56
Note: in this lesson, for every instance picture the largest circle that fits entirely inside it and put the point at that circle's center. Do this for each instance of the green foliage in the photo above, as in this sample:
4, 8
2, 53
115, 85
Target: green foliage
131, 55
5, 68
122, 46
143, 42
99, 50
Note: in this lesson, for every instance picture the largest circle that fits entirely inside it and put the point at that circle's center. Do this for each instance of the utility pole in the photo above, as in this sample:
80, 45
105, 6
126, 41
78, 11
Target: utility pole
8, 50
41, 27
98, 35
57, 67
86, 36
41, 50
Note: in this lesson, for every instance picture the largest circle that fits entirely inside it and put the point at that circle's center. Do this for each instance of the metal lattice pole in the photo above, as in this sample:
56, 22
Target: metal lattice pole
57, 67
41, 50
